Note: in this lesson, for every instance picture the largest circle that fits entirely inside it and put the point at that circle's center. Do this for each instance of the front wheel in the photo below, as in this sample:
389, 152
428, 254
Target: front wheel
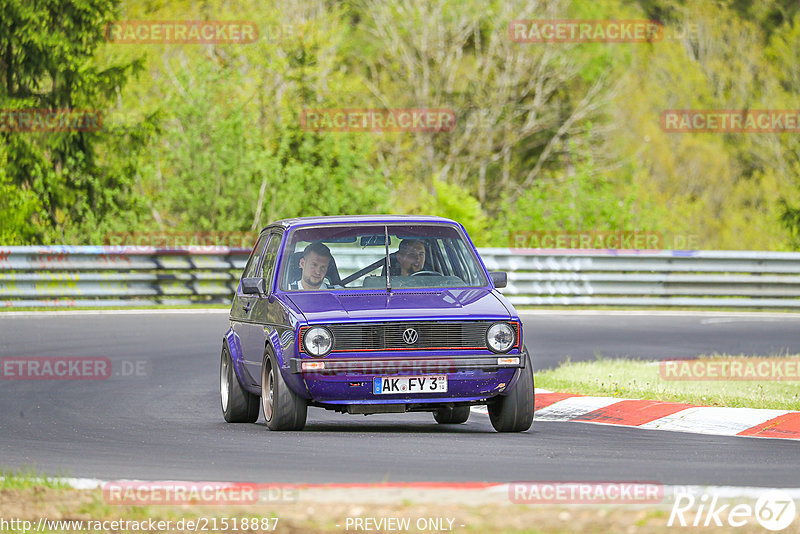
514, 412
238, 405
283, 408
451, 415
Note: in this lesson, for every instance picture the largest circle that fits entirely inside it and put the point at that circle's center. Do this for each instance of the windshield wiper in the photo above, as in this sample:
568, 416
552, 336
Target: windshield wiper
388, 259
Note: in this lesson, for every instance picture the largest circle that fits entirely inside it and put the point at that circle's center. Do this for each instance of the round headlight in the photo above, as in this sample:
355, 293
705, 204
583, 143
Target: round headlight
318, 341
500, 337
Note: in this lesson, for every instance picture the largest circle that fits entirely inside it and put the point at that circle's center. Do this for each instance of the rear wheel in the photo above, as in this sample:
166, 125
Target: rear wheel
238, 405
514, 412
283, 408
451, 415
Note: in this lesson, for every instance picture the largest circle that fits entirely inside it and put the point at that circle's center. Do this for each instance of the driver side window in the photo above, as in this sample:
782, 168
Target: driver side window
252, 263
270, 256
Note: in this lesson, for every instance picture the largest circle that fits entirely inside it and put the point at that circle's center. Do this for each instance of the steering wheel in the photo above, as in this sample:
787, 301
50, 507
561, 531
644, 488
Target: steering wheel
426, 273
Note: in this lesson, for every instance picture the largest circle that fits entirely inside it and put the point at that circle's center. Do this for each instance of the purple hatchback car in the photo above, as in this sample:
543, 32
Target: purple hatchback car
372, 314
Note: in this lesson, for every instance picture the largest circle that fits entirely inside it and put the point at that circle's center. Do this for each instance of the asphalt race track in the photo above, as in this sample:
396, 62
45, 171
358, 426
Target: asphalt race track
166, 422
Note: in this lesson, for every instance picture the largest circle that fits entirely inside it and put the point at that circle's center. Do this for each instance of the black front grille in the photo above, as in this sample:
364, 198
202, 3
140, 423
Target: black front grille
431, 335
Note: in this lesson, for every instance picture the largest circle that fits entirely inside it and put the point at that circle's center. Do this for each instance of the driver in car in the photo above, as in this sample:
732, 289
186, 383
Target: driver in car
410, 256
314, 265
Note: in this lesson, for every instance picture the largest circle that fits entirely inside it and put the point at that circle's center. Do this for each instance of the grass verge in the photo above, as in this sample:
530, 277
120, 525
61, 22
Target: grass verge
331, 510
26, 478
636, 379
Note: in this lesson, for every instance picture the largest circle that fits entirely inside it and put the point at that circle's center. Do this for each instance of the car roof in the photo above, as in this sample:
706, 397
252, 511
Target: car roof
352, 219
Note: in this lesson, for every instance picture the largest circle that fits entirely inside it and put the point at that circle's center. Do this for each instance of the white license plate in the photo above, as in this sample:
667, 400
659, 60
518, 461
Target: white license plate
382, 385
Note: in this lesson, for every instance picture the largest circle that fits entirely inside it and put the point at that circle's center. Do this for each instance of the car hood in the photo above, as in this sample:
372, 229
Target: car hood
429, 304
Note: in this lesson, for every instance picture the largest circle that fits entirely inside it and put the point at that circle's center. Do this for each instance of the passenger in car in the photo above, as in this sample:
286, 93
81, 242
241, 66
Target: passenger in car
313, 265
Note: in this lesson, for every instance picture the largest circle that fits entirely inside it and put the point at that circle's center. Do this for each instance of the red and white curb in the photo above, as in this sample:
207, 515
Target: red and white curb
658, 415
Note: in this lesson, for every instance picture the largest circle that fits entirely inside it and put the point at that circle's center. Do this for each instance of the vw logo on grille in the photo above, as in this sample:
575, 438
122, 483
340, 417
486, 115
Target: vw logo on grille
410, 336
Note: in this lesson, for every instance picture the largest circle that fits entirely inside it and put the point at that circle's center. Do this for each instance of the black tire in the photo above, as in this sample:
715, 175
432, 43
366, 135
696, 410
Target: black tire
514, 412
238, 405
451, 415
283, 408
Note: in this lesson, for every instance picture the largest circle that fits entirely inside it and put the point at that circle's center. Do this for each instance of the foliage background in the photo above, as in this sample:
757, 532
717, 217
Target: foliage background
549, 136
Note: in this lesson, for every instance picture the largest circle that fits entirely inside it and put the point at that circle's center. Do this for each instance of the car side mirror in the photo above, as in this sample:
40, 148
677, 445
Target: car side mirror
499, 278
254, 286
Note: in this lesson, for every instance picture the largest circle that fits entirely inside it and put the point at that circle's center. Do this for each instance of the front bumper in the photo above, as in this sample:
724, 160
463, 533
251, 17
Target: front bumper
350, 380
406, 365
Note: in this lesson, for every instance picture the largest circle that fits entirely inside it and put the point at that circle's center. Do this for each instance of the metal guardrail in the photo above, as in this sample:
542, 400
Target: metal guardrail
64, 276
649, 278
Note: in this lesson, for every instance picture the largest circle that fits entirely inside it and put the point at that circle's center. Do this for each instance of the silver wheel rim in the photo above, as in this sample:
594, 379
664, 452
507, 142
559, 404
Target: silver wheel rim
224, 386
266, 392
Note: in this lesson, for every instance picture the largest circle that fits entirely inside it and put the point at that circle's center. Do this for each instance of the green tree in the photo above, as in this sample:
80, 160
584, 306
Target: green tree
60, 186
232, 154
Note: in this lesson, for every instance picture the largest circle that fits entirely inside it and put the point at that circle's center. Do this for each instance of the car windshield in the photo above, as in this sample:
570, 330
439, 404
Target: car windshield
354, 256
